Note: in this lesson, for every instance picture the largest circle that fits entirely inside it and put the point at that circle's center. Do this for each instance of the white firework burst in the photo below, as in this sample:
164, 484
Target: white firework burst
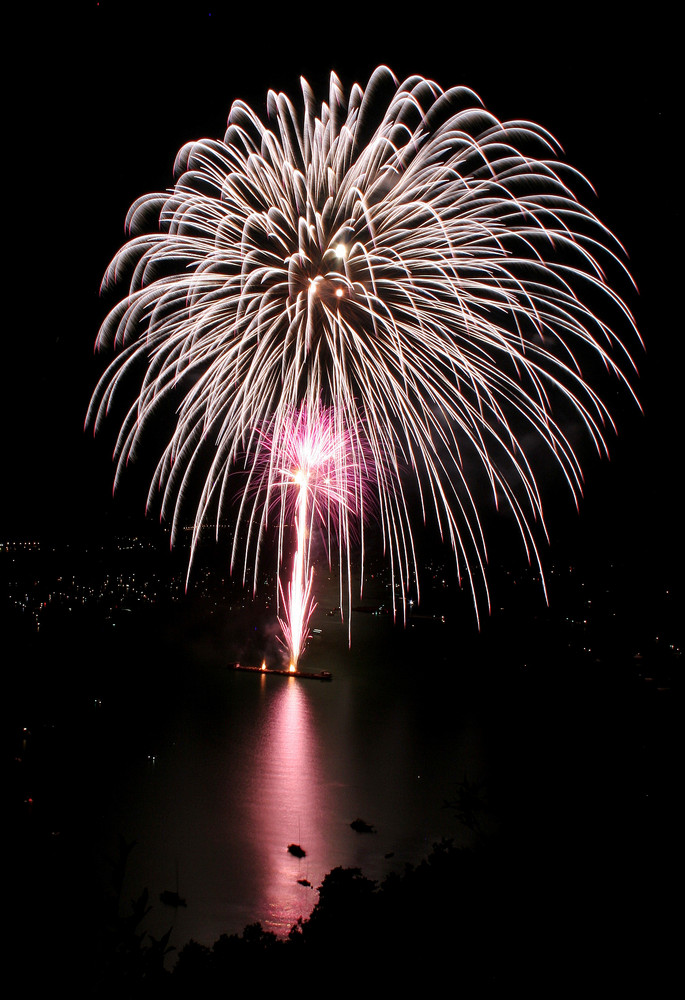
423, 272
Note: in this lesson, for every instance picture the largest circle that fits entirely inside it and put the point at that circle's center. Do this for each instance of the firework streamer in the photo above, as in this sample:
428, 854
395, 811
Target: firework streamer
423, 277
307, 472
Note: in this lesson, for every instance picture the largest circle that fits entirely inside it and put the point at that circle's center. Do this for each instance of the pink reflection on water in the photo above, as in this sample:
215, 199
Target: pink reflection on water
287, 805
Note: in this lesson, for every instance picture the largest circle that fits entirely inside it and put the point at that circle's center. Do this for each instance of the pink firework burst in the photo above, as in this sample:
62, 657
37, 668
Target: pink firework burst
308, 473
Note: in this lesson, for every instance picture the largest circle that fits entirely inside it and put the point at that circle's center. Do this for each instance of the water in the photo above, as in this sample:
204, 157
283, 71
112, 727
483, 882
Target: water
140, 731
217, 772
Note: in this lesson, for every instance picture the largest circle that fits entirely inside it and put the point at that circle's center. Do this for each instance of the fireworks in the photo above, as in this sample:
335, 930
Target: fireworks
308, 469
409, 278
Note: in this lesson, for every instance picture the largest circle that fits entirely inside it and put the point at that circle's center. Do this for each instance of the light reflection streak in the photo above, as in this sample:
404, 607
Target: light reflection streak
287, 805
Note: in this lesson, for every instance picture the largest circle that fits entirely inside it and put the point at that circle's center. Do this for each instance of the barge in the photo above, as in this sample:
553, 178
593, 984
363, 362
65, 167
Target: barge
321, 675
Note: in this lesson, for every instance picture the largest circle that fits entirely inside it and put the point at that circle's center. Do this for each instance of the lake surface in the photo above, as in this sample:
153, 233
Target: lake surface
133, 726
217, 772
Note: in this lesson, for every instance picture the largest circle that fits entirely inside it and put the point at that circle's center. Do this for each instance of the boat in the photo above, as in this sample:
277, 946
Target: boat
361, 826
320, 675
170, 898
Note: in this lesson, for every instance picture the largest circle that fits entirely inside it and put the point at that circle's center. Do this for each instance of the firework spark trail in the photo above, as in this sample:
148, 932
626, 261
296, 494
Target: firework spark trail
418, 269
309, 457
299, 606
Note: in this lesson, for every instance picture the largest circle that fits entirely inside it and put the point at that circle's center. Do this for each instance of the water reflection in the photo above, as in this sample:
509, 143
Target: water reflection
247, 764
286, 804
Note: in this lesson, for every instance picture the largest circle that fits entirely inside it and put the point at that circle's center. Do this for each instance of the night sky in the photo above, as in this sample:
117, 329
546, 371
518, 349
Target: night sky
105, 97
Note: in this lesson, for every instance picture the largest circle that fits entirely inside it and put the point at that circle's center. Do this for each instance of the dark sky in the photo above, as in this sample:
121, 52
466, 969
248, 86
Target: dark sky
105, 97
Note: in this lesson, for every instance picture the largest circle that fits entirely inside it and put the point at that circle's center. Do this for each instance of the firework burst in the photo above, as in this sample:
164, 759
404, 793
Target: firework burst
417, 275
307, 470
